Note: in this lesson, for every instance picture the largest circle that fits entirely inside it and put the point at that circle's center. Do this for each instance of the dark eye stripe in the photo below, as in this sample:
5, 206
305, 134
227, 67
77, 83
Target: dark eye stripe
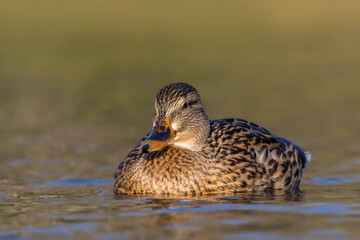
192, 103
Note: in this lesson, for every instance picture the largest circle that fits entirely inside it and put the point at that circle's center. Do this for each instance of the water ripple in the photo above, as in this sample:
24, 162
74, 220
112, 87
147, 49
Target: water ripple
79, 181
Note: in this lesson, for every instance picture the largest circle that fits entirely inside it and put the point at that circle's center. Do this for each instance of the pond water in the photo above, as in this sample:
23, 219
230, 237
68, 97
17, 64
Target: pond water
58, 184
77, 93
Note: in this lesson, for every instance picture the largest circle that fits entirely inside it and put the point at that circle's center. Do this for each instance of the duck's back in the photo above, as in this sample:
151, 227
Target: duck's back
252, 158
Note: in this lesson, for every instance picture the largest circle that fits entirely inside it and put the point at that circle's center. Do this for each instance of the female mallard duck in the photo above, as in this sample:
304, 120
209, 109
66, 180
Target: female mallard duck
187, 153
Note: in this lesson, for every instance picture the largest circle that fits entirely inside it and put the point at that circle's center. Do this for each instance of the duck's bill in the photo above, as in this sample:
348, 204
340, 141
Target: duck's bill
159, 138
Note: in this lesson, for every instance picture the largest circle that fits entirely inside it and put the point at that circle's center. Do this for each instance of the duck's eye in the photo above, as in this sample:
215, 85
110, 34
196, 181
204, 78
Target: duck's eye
185, 106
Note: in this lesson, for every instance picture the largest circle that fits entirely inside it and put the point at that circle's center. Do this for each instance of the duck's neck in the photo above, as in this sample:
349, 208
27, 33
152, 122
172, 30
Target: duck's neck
193, 137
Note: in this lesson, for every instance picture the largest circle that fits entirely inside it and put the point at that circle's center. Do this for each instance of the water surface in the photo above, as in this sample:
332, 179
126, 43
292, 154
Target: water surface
65, 191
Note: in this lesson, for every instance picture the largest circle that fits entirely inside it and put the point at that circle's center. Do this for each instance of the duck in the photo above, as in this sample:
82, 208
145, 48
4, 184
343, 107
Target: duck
186, 153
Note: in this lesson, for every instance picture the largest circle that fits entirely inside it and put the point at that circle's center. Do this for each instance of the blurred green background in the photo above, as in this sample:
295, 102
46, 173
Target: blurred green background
291, 66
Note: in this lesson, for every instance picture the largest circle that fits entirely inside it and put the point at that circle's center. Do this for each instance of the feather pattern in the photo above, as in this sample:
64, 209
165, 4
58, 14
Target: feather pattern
237, 156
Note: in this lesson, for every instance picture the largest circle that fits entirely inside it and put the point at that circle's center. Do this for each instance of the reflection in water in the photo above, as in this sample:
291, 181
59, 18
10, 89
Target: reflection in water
163, 201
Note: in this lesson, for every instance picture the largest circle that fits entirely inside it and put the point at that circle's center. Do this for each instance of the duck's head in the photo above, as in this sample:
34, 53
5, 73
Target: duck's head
180, 120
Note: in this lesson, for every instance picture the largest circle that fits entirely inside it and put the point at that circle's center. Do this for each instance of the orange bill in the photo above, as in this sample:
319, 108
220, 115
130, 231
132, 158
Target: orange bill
159, 138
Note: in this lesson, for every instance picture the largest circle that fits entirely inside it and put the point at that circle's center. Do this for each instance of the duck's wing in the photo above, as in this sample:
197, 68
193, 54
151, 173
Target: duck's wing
255, 140
262, 158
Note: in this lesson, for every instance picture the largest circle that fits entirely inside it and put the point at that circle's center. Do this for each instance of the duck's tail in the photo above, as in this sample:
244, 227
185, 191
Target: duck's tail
308, 157
304, 156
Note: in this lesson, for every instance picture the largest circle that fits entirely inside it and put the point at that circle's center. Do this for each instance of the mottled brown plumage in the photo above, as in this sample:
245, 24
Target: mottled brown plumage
187, 153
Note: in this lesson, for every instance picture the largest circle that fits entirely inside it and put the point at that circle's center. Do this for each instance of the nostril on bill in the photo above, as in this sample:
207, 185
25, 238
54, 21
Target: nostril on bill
145, 148
162, 128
